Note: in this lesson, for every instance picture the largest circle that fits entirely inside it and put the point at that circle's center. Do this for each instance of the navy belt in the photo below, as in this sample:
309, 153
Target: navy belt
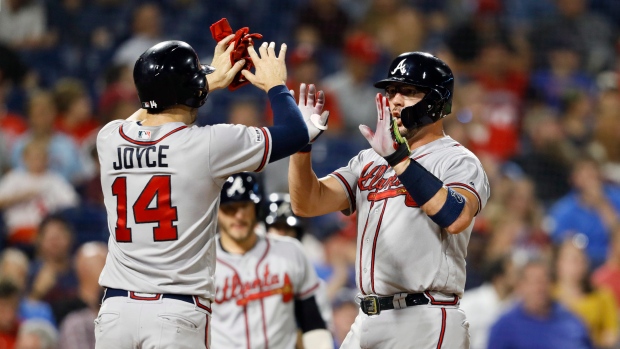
373, 305
115, 292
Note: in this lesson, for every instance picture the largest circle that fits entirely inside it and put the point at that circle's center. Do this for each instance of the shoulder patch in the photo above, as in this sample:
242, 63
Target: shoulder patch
259, 135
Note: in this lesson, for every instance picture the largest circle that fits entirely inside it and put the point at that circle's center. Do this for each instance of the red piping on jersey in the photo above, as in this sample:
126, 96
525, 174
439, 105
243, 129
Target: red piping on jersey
443, 327
434, 302
420, 156
471, 189
130, 140
374, 248
266, 152
362, 245
156, 297
303, 294
200, 305
245, 307
207, 332
260, 289
349, 190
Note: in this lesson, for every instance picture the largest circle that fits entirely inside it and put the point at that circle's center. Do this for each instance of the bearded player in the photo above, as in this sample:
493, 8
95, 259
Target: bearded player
266, 288
416, 192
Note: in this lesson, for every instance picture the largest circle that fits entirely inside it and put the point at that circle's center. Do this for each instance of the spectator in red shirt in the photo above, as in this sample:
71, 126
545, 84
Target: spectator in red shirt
608, 274
9, 322
74, 111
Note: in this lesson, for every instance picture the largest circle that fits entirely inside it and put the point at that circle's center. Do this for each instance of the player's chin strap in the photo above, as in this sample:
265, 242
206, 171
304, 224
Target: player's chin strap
318, 339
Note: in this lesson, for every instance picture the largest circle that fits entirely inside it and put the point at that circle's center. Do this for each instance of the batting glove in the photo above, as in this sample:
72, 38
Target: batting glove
386, 141
311, 106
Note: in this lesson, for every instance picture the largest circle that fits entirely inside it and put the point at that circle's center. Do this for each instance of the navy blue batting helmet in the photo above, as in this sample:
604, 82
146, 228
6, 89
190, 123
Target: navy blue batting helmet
431, 75
279, 212
170, 73
241, 187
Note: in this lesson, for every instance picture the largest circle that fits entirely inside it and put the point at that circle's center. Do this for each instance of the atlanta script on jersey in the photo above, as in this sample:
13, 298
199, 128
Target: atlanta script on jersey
400, 249
256, 292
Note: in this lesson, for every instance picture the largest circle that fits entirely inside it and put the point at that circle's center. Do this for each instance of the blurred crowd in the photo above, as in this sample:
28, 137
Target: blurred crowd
537, 99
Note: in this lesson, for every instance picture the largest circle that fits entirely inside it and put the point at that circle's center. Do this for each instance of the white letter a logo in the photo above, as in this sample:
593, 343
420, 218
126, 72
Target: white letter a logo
401, 66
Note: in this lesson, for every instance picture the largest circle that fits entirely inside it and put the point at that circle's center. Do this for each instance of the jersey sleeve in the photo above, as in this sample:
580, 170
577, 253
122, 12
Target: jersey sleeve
347, 176
466, 172
238, 148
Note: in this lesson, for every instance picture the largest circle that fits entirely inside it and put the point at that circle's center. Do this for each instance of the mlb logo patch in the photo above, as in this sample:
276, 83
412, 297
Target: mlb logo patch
144, 134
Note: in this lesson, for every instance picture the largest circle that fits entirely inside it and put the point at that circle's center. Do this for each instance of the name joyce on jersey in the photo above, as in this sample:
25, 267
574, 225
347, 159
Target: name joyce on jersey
243, 292
130, 157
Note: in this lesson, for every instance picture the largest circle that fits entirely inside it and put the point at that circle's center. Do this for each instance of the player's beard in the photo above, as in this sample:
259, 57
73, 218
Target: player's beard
240, 235
408, 133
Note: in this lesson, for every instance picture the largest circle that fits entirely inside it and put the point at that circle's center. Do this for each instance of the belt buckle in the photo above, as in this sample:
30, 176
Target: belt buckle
370, 305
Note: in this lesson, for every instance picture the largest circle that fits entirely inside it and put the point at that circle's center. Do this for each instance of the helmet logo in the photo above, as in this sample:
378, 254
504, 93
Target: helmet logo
401, 66
150, 104
236, 187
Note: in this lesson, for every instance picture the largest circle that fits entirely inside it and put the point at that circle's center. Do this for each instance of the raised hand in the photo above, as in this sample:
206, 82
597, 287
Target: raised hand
225, 71
311, 106
270, 68
386, 140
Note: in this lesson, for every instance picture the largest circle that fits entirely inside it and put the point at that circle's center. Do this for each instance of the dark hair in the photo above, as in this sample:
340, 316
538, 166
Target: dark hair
55, 218
585, 282
496, 268
8, 289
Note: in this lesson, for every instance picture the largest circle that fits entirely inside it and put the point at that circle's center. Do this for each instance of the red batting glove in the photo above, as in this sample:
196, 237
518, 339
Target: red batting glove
220, 29
242, 40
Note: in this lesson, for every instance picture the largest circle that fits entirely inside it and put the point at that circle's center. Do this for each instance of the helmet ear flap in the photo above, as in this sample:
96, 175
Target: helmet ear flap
425, 112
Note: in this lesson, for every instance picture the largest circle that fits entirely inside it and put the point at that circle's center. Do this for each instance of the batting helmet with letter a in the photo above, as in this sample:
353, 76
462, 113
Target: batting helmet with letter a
240, 187
170, 73
432, 76
280, 213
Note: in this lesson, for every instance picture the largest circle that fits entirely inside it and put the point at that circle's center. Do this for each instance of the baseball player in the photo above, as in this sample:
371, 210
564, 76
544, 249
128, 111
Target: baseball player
265, 287
280, 219
161, 181
416, 193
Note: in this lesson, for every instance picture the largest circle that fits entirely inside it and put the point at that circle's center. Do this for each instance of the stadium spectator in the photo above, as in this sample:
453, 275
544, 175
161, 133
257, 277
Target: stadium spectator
28, 195
74, 111
485, 304
146, 31
22, 24
52, 276
352, 86
9, 320
77, 331
573, 289
591, 211
536, 321
63, 154
36, 334
14, 266
608, 275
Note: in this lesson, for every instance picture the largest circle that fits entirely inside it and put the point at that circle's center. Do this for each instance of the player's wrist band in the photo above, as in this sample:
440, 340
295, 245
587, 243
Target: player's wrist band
451, 209
398, 156
421, 184
306, 149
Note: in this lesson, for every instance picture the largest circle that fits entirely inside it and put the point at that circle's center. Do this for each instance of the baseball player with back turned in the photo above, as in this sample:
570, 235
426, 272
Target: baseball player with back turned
265, 287
416, 193
161, 179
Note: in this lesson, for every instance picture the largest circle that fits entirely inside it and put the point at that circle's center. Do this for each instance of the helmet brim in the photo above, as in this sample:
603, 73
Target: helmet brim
386, 82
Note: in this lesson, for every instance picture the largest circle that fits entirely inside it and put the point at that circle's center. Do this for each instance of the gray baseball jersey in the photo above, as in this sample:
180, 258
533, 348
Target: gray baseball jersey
400, 249
255, 294
161, 188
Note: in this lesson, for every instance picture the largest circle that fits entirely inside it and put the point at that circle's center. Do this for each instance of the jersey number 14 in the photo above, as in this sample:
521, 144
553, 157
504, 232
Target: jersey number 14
163, 213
